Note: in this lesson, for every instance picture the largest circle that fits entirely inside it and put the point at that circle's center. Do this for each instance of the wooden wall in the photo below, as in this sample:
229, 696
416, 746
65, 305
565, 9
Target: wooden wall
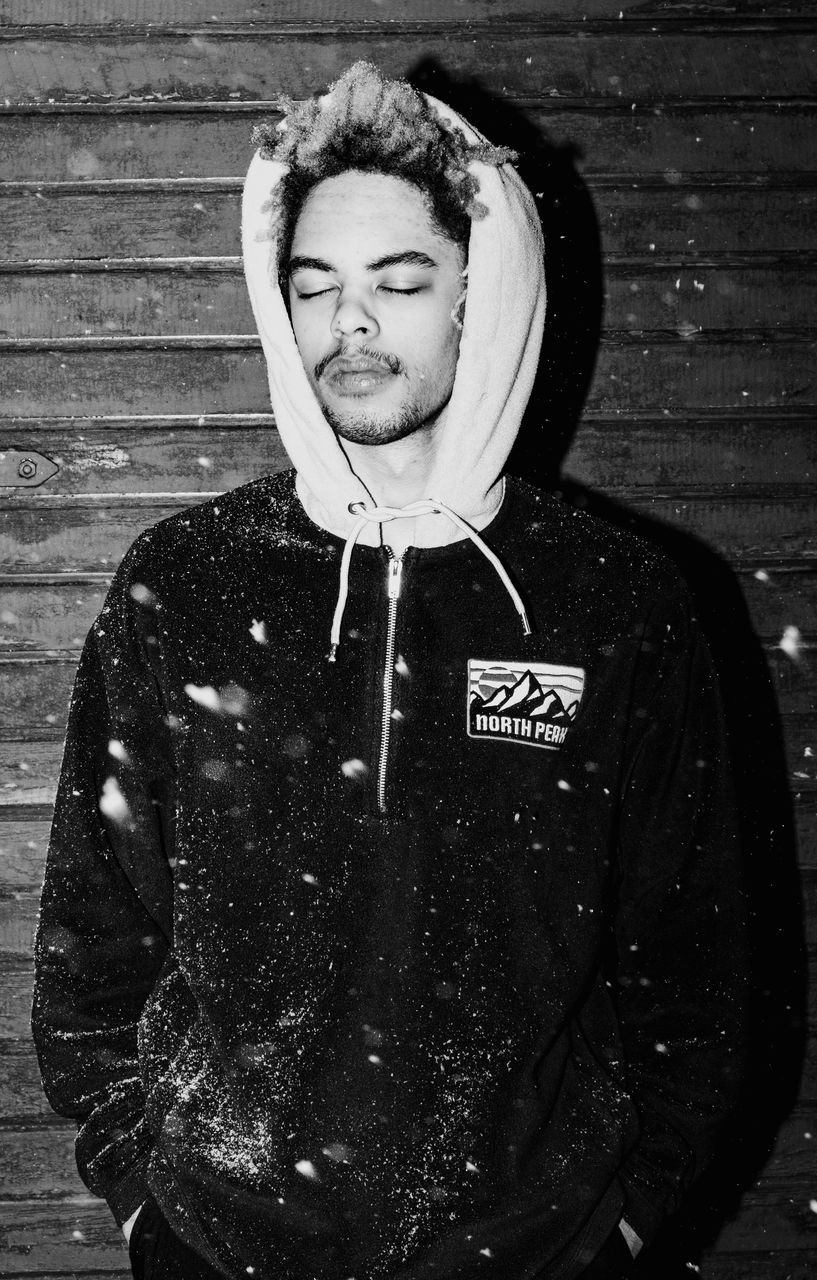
129, 360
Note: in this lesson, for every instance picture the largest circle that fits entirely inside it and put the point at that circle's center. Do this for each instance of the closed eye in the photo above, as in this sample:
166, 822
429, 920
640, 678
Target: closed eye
319, 293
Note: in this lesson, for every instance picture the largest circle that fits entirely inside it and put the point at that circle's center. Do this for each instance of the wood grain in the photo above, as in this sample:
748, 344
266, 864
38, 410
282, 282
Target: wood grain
35, 690
770, 60
220, 376
201, 300
613, 455
29, 768
93, 537
208, 139
216, 13
42, 1160
683, 224
126, 132
103, 458
24, 841
82, 1234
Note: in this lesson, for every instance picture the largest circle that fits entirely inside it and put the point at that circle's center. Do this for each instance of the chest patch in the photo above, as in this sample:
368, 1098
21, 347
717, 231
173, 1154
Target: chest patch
534, 703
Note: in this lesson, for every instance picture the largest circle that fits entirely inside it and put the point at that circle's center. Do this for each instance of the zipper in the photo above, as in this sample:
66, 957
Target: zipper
393, 583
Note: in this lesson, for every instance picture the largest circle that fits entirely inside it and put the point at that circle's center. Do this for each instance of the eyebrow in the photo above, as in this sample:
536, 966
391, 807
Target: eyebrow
408, 258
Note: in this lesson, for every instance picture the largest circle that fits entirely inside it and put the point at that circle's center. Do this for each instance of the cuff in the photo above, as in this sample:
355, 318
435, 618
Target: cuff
129, 1193
642, 1212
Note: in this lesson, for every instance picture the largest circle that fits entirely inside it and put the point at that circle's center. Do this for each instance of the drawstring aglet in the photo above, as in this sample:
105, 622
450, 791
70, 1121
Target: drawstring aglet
526, 627
332, 654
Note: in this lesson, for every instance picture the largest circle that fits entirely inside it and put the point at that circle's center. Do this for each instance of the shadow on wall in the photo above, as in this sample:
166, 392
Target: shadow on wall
572, 332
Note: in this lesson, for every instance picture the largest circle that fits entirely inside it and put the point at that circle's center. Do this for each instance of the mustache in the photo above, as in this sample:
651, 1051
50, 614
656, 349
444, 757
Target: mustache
392, 363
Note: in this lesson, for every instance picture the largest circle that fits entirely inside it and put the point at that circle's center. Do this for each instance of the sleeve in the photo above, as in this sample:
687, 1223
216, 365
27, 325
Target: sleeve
105, 918
680, 931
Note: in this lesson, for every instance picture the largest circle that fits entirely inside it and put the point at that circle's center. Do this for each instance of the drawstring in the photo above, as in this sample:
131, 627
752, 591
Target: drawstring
425, 507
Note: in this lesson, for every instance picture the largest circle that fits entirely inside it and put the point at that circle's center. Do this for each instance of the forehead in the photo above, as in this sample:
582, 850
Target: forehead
363, 212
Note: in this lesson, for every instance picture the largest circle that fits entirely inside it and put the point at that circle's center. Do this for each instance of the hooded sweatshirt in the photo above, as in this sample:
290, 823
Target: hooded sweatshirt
426, 961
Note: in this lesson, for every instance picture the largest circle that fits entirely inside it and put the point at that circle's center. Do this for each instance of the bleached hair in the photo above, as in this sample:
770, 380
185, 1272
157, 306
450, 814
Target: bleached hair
372, 124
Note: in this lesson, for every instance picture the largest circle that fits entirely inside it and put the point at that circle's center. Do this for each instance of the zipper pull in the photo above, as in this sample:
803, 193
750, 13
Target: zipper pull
395, 577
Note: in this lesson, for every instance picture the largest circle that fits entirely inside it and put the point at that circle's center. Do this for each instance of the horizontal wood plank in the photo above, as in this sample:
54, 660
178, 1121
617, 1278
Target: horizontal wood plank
684, 223
43, 1239
752, 138
22, 1099
16, 992
223, 13
98, 460
643, 64
29, 768
52, 616
781, 1220
40, 1160
775, 1265
23, 844
29, 773
47, 1239
614, 456
201, 301
70, 1234
94, 537
651, 374
42, 614
24, 841
34, 691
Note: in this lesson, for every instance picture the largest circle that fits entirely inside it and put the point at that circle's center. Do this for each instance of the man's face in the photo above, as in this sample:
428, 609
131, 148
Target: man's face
372, 285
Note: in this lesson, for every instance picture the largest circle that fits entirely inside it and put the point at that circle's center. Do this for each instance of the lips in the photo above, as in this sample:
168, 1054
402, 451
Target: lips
357, 375
357, 364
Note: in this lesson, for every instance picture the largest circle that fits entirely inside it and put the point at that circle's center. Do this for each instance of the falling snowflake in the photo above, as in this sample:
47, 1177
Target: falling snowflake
354, 769
205, 695
117, 750
258, 631
339, 1152
307, 1168
142, 594
233, 699
790, 643
112, 803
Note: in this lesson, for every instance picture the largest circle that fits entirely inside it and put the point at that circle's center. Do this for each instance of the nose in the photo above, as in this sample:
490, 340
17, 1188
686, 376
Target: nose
353, 316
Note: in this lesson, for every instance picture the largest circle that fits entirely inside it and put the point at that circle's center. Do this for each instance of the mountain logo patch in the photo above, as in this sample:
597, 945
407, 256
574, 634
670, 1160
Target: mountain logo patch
530, 702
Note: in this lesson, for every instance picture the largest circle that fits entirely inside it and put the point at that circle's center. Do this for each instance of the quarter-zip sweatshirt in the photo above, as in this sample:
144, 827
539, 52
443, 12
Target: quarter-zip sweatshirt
425, 962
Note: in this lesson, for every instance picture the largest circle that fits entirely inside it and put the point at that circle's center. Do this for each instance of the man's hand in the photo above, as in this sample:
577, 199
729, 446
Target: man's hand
127, 1227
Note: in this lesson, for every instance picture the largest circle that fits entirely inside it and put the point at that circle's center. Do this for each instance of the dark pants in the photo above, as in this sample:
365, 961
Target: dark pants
157, 1253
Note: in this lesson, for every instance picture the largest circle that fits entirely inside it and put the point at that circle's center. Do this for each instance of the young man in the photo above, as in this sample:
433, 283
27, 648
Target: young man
391, 923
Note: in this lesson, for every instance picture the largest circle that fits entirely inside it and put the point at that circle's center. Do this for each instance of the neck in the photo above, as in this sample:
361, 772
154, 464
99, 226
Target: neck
396, 473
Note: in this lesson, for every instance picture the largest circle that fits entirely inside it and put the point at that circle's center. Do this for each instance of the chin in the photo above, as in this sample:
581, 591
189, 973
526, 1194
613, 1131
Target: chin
373, 428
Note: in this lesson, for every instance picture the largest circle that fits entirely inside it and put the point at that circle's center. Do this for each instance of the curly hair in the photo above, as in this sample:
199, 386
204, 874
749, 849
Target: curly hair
371, 124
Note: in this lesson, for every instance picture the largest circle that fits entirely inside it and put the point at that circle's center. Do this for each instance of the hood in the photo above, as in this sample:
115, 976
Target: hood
498, 357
